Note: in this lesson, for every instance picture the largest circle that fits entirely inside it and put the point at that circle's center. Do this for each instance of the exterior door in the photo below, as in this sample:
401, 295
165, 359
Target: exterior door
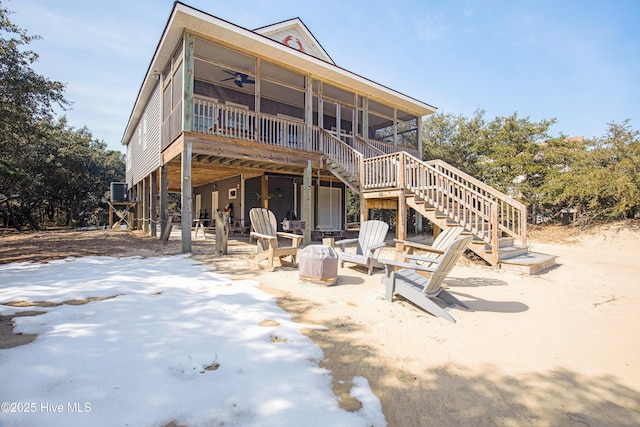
329, 207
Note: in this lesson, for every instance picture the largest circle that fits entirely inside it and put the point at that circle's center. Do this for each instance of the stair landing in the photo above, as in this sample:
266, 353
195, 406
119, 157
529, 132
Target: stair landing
529, 263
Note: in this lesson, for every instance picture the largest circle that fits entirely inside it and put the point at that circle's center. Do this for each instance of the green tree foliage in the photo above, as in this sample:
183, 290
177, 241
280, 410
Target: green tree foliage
49, 172
453, 139
502, 153
600, 178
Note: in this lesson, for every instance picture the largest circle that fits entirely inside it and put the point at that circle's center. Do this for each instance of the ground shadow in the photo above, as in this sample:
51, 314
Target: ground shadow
455, 395
473, 282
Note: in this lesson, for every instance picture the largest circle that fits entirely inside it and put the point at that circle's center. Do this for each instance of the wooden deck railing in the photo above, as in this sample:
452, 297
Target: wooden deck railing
460, 203
476, 206
341, 154
465, 200
213, 118
512, 215
367, 149
232, 122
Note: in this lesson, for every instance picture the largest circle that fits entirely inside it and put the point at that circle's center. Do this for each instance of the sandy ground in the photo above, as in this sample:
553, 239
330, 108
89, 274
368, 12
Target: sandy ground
560, 348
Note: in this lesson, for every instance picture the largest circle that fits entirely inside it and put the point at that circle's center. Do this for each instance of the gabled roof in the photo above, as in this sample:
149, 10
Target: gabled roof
185, 17
295, 34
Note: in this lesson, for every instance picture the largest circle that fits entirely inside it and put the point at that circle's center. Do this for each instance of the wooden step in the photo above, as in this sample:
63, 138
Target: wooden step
512, 251
530, 263
503, 242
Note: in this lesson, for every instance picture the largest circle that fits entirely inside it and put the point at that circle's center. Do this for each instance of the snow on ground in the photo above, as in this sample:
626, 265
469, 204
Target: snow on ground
139, 359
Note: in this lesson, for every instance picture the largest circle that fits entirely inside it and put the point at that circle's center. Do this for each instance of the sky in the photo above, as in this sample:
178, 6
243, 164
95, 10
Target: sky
576, 61
141, 358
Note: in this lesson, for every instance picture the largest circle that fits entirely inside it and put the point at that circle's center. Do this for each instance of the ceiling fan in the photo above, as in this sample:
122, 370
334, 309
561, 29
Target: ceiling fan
239, 78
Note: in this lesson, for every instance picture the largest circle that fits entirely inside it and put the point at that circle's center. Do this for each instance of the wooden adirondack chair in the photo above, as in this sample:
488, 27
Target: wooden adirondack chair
367, 246
420, 290
436, 249
265, 229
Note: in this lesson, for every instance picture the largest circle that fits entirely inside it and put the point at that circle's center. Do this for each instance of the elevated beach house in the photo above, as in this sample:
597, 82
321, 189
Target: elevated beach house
233, 118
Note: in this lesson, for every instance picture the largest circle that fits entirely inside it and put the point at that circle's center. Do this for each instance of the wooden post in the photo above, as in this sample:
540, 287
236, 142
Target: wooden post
153, 217
187, 125
187, 102
419, 119
364, 210
137, 208
222, 232
401, 213
264, 190
365, 117
308, 113
495, 241
436, 231
166, 233
164, 199
144, 205
395, 127
306, 204
187, 214
418, 223
401, 217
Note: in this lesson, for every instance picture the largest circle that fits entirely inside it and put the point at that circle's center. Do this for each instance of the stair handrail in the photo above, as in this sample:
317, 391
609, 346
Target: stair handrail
460, 203
348, 159
388, 148
512, 214
477, 211
369, 150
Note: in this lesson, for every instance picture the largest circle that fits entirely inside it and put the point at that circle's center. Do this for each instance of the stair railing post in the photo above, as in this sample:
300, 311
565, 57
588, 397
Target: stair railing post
523, 227
495, 243
400, 168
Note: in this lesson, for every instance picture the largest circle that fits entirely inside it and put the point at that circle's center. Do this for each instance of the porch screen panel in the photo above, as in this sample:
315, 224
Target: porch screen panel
337, 94
280, 99
380, 128
219, 54
407, 129
275, 72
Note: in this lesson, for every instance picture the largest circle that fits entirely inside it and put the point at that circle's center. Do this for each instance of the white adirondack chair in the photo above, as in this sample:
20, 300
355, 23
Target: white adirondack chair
436, 249
367, 246
265, 229
423, 291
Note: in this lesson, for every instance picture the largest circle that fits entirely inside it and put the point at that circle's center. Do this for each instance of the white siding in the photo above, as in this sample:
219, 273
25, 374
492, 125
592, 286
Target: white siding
144, 145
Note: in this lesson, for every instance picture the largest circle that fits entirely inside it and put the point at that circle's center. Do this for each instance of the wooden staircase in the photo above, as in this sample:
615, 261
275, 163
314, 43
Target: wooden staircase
511, 255
447, 197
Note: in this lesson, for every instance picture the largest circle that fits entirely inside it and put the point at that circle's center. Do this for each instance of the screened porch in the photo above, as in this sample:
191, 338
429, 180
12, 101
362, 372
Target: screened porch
238, 96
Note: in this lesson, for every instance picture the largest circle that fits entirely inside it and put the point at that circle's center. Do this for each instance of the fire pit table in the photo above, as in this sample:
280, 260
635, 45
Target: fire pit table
318, 264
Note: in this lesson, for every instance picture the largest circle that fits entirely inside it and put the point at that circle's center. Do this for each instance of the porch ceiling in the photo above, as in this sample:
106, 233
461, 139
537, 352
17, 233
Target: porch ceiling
215, 158
210, 168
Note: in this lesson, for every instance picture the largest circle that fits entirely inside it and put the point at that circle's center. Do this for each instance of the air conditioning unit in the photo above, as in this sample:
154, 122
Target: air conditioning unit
119, 192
